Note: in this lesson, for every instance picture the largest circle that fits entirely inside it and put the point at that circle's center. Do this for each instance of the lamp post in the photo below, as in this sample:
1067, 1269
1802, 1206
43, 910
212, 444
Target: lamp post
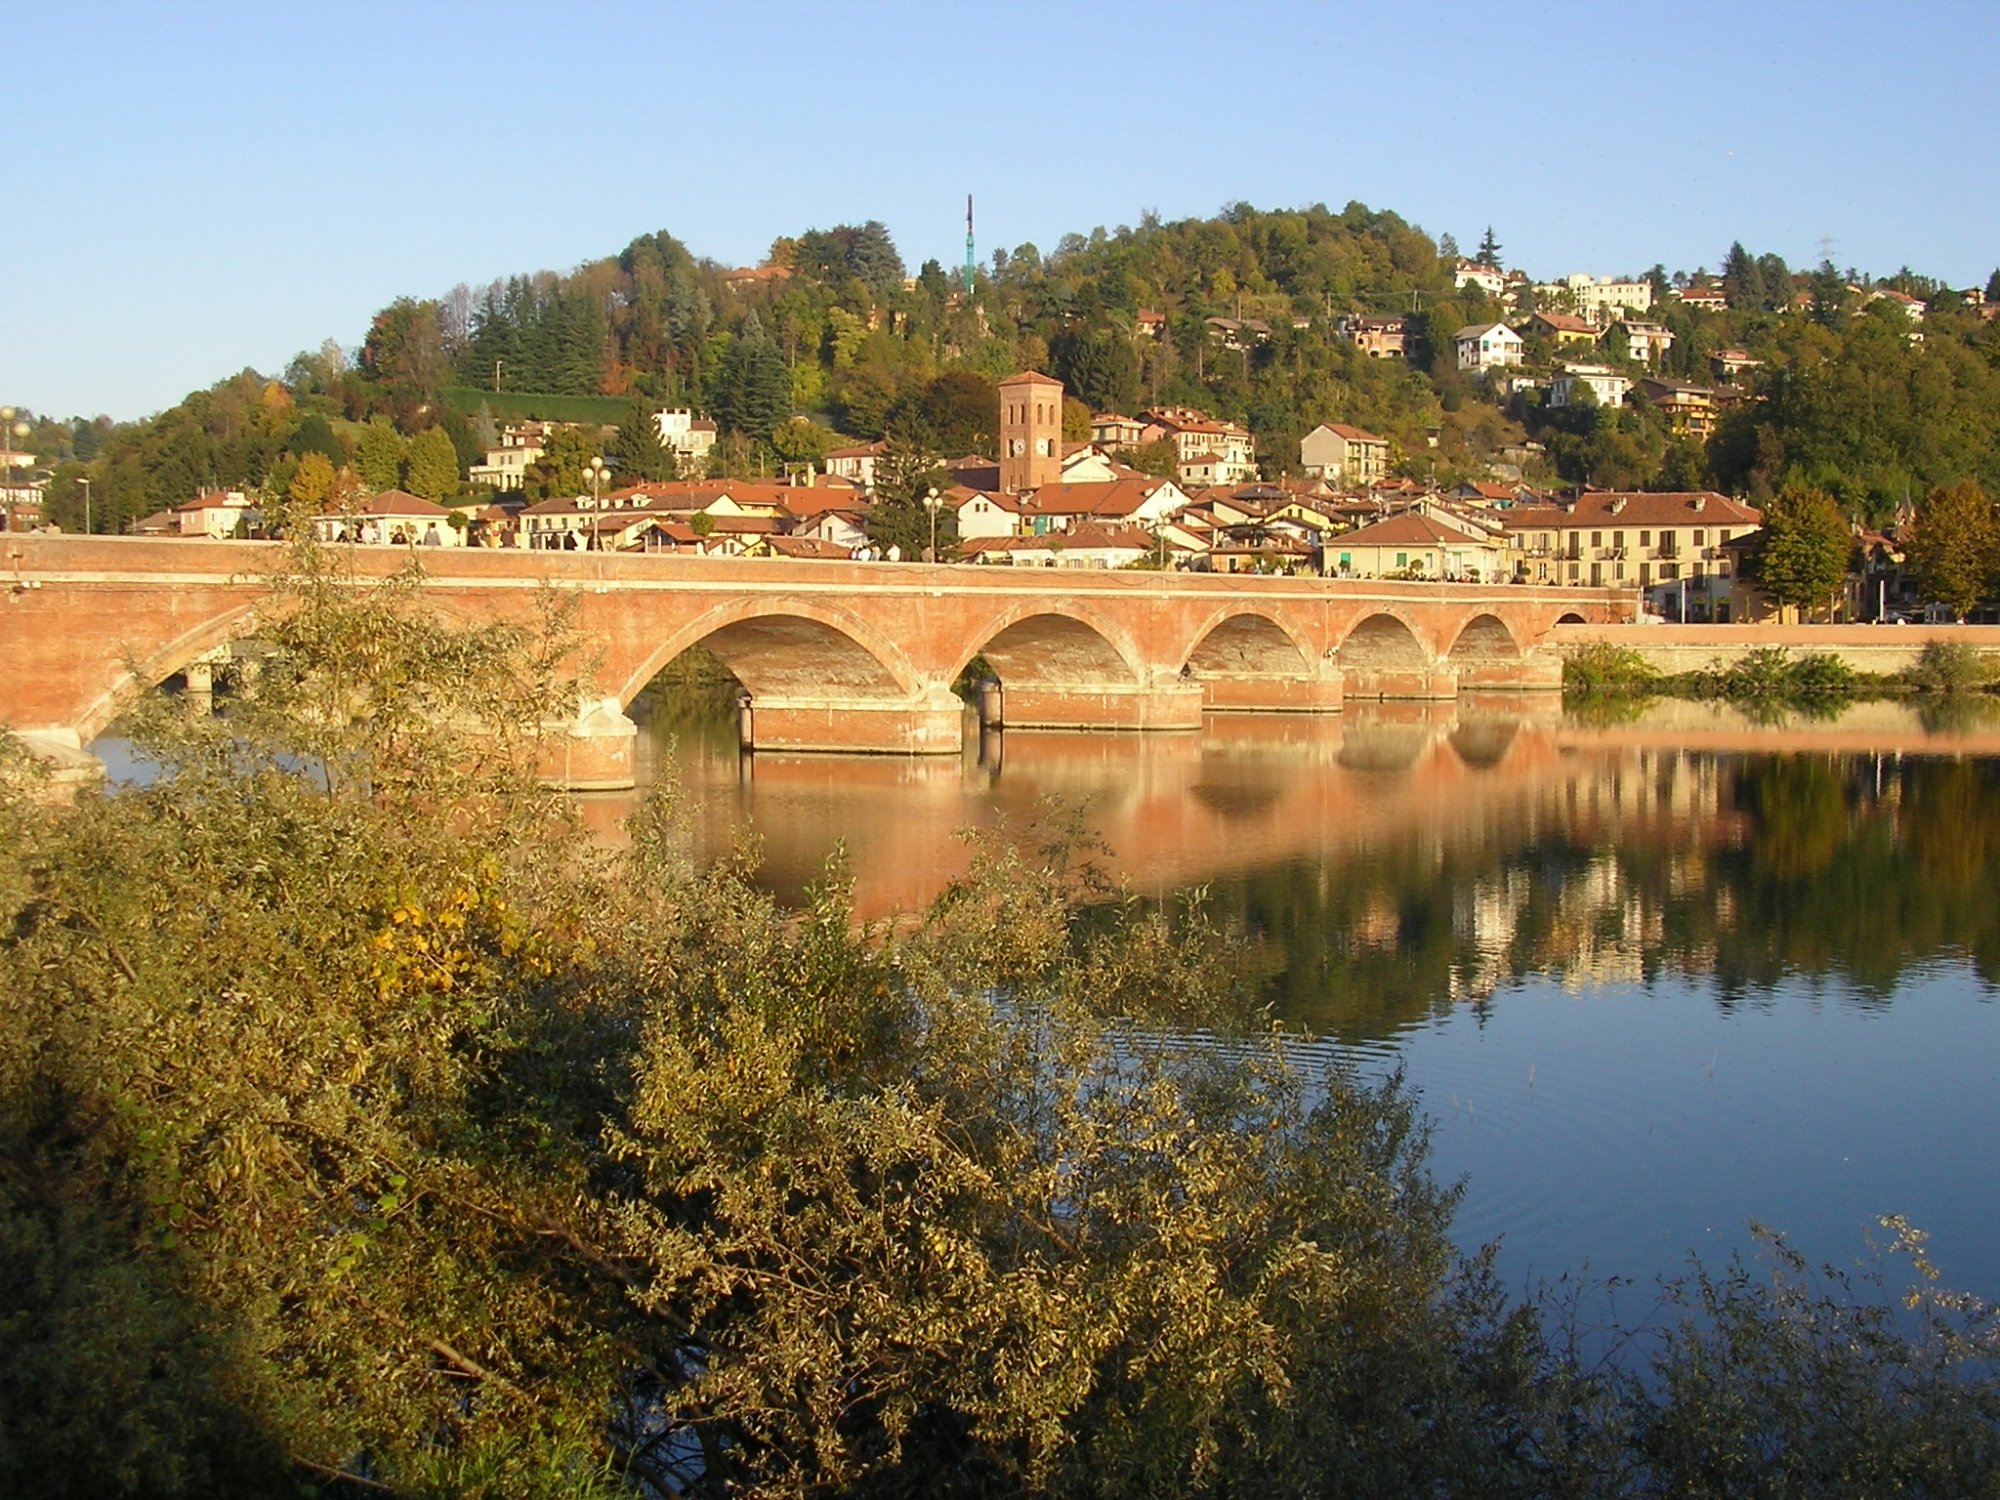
932, 500
84, 480
594, 471
12, 425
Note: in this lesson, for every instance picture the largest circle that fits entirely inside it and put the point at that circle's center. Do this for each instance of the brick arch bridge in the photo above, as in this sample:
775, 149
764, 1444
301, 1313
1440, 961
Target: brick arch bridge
835, 656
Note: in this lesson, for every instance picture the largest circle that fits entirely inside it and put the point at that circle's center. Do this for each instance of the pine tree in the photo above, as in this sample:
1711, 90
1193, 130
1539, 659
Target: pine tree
640, 453
1489, 249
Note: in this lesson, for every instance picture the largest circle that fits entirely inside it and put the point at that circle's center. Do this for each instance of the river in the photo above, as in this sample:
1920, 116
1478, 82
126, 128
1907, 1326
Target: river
1655, 974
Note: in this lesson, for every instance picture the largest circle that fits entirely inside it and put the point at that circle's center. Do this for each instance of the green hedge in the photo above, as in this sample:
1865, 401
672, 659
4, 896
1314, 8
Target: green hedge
522, 406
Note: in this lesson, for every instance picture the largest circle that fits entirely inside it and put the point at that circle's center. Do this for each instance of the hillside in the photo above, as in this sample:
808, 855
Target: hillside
1242, 314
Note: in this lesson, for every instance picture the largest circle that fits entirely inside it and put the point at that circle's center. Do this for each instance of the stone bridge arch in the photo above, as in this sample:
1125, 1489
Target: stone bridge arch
1384, 655
1065, 666
135, 676
1247, 658
794, 651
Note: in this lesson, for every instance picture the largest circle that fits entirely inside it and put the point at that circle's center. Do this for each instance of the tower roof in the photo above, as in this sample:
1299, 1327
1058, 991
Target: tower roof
1031, 377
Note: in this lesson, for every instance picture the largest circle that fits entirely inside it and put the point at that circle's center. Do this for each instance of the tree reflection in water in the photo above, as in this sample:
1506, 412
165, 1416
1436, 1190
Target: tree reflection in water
1848, 867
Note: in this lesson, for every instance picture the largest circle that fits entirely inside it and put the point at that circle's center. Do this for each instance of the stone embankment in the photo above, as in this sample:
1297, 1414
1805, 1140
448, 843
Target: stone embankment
1880, 649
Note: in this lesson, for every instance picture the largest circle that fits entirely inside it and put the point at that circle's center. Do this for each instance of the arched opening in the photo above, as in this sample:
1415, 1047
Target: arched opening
1246, 645
694, 699
1056, 652
790, 656
1484, 639
1382, 658
1571, 617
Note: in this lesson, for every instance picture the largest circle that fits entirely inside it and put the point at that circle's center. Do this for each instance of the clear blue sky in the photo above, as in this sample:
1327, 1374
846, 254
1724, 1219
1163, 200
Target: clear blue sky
197, 188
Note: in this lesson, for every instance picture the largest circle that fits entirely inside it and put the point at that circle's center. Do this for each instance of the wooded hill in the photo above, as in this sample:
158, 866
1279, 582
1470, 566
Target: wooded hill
835, 331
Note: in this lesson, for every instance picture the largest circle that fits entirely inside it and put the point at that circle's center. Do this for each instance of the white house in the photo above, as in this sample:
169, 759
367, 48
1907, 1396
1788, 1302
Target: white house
1648, 342
1140, 502
1487, 346
983, 513
856, 463
218, 514
1605, 384
688, 437
1489, 279
1602, 298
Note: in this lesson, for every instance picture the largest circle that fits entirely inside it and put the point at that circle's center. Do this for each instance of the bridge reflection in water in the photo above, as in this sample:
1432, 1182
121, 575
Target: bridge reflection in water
1249, 792
1652, 979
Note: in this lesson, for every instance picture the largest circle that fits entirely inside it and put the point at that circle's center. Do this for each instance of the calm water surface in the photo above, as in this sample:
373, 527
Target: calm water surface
1653, 979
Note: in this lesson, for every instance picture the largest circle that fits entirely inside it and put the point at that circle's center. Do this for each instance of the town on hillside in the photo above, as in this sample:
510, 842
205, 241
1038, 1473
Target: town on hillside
1292, 392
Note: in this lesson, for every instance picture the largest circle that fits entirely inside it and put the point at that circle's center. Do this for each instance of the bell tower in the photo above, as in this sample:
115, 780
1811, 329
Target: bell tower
1030, 432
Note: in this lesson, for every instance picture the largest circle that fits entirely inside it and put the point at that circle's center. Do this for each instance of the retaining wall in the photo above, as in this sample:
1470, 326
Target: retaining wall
1882, 649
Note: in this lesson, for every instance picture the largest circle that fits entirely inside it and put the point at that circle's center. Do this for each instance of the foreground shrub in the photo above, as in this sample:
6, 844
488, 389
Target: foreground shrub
1602, 666
1772, 673
1950, 667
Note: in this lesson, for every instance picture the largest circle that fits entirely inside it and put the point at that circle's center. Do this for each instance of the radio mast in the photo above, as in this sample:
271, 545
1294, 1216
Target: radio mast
968, 246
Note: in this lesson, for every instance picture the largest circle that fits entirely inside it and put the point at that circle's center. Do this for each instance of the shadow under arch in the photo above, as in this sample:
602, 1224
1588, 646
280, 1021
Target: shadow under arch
1042, 648
1484, 638
795, 651
1383, 646
1571, 617
1248, 643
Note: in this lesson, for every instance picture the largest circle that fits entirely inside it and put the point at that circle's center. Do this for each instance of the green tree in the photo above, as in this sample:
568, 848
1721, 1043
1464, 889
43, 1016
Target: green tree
1075, 421
802, 441
1955, 546
639, 450
559, 471
315, 435
379, 455
1803, 548
405, 352
1100, 367
1489, 249
1160, 457
1829, 295
755, 392
432, 468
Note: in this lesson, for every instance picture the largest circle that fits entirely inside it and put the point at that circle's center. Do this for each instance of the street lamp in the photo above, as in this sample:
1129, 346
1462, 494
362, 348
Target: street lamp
84, 480
594, 471
12, 425
932, 500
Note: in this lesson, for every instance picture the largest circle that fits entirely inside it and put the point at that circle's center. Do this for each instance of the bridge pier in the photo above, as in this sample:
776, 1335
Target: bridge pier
934, 725
1263, 693
1172, 705
597, 751
69, 767
1440, 681
1534, 671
